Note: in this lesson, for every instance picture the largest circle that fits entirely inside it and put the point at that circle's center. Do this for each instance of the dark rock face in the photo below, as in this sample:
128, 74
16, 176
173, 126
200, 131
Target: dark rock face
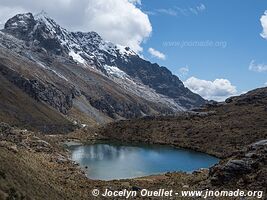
41, 92
4, 127
160, 79
20, 25
41, 32
252, 97
242, 167
110, 106
232, 169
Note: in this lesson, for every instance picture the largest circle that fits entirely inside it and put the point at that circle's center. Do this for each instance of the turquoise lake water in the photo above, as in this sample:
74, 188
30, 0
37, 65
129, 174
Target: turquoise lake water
116, 161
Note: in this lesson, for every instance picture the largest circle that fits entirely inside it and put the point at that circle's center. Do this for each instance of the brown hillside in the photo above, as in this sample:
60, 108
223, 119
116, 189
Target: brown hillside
218, 129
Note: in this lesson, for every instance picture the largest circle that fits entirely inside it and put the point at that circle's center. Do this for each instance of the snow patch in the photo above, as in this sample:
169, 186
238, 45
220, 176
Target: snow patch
55, 72
14, 24
77, 57
50, 24
125, 50
115, 71
84, 125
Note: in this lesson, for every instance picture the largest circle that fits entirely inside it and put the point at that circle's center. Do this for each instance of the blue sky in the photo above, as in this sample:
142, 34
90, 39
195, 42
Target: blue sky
235, 25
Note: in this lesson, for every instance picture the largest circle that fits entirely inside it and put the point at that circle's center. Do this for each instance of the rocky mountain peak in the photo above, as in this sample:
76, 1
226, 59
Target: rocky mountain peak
89, 37
41, 14
29, 23
47, 23
48, 42
39, 30
20, 25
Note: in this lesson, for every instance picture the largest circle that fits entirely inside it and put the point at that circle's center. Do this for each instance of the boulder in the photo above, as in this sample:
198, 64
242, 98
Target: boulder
247, 163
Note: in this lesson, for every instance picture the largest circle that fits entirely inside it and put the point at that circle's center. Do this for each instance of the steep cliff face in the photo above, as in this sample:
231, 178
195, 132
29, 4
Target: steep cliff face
80, 74
40, 91
23, 111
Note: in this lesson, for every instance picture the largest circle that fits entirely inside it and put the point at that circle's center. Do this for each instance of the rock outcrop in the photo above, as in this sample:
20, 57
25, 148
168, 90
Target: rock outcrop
246, 168
49, 93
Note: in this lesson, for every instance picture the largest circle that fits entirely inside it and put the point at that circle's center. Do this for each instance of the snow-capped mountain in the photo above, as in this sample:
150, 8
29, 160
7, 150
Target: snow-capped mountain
85, 77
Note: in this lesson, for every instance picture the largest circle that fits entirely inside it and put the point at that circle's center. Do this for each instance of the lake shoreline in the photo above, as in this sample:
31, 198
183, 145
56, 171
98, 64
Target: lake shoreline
99, 156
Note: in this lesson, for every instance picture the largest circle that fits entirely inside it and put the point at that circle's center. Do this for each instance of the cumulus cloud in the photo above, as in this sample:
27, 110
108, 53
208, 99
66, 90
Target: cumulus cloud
217, 90
257, 67
156, 53
263, 20
121, 21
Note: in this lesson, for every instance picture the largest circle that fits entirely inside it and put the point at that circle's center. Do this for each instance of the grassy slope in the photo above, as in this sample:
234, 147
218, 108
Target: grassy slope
31, 180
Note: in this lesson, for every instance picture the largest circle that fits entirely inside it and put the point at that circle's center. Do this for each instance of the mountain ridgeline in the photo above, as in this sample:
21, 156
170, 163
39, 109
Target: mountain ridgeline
53, 79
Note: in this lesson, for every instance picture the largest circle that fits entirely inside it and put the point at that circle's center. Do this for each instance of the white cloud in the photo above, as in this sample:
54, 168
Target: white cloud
156, 54
178, 10
193, 10
138, 2
263, 20
198, 9
168, 11
8, 12
218, 90
257, 67
201, 8
119, 21
183, 71
265, 84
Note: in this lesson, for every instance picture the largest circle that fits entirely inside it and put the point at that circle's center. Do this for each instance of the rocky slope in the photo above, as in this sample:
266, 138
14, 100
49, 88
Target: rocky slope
23, 111
248, 168
87, 79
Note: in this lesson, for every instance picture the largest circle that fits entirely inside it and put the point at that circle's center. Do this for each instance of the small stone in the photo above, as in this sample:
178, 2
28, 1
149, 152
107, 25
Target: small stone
3, 195
126, 184
13, 148
135, 188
